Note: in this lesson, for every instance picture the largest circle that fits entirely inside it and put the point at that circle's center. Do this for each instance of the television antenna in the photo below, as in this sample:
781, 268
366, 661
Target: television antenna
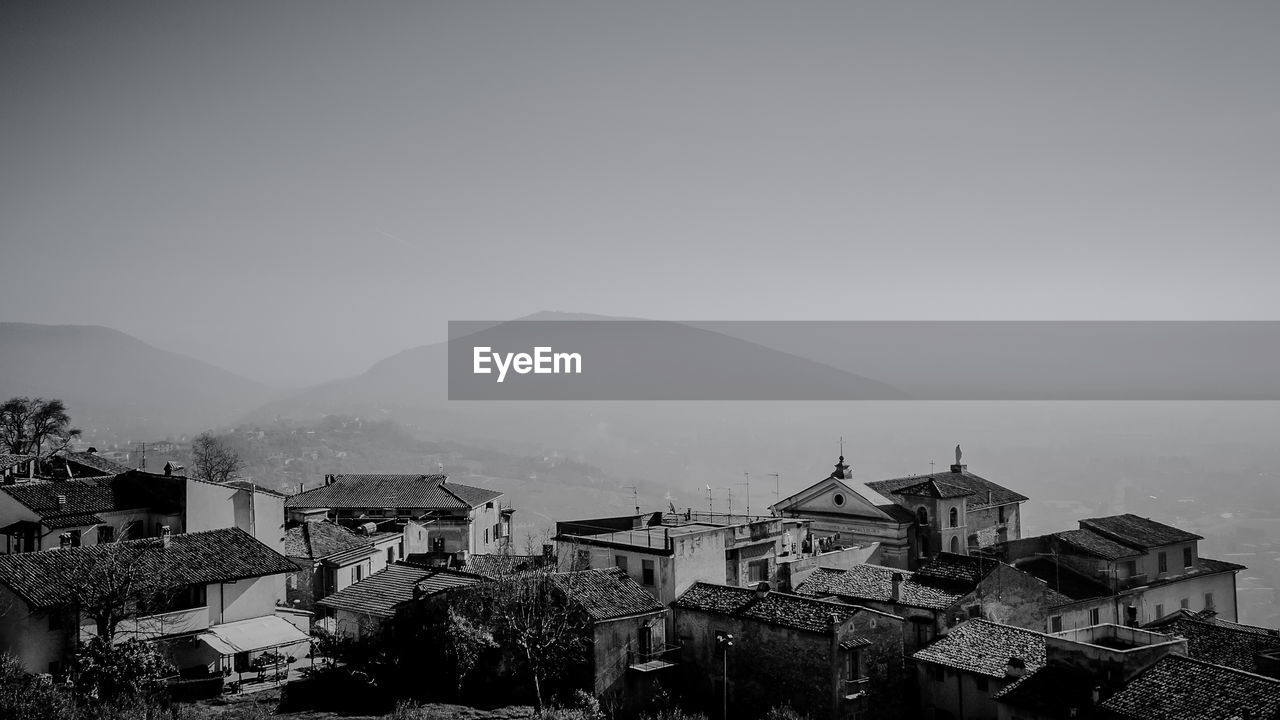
635, 495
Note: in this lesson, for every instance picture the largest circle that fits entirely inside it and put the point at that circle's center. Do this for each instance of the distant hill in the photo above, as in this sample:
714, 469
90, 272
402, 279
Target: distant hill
119, 386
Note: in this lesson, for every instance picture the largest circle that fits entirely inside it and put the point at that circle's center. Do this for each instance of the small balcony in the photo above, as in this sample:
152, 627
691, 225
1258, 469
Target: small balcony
659, 657
854, 690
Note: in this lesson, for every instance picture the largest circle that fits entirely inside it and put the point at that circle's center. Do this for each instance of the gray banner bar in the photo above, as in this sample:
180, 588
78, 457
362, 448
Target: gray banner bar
660, 360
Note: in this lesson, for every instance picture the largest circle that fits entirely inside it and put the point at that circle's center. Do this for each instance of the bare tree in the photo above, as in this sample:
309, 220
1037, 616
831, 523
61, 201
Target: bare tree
121, 581
35, 426
214, 459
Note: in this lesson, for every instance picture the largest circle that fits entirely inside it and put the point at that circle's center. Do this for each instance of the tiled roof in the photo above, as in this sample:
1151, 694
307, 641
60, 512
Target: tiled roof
252, 486
606, 594
934, 489
60, 522
497, 565
8, 460
1051, 692
380, 593
398, 491
81, 499
985, 492
317, 539
55, 577
775, 608
1209, 565
1221, 643
875, 583
94, 461
1097, 545
722, 599
965, 570
1181, 687
1137, 531
1062, 579
984, 648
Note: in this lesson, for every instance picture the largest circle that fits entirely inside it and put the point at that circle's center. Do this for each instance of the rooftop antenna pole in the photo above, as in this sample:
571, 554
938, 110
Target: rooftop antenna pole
730, 489
635, 495
747, 483
930, 467
711, 508
777, 486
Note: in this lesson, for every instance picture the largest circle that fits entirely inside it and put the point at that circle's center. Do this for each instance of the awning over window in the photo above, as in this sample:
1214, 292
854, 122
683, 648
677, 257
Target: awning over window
250, 635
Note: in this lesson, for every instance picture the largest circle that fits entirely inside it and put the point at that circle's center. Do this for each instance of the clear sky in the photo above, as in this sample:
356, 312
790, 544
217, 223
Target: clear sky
295, 190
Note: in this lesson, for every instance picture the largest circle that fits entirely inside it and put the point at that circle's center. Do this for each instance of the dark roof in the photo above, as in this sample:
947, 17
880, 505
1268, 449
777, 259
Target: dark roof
318, 539
1221, 643
95, 462
933, 489
399, 491
382, 592
964, 570
1052, 691
1181, 687
83, 498
1137, 531
254, 487
8, 460
60, 522
775, 608
606, 594
55, 577
875, 583
984, 648
1061, 578
1091, 543
985, 492
496, 565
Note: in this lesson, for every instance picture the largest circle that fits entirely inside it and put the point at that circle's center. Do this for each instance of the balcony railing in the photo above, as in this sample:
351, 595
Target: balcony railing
656, 658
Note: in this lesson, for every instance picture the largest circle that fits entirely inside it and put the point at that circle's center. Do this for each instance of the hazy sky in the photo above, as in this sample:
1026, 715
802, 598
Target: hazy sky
295, 190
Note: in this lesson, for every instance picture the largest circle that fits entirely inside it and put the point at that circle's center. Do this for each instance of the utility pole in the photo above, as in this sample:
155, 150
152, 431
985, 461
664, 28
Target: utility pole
726, 642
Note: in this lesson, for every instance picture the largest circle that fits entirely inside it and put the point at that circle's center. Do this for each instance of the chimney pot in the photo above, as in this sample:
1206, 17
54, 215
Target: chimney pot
62, 501
762, 590
1015, 668
897, 587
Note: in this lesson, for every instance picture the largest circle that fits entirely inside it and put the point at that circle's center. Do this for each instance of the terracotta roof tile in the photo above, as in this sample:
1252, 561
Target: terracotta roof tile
606, 594
875, 583
1219, 642
1137, 531
398, 491
782, 609
1096, 545
984, 648
985, 492
1181, 687
318, 539
382, 592
52, 577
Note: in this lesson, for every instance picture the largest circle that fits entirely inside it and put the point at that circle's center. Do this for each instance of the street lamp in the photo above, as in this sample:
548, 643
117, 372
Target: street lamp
725, 641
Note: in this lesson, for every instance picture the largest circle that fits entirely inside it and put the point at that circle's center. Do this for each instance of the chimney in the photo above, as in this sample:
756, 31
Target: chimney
165, 533
833, 620
762, 590
328, 479
897, 587
62, 502
1015, 668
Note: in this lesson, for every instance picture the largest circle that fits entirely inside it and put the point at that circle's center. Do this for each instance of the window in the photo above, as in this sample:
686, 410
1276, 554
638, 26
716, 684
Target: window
1055, 623
583, 560
838, 498
133, 530
924, 546
1162, 562
980, 683
1159, 611
955, 544
853, 664
1208, 601
56, 619
400, 549
106, 534
1184, 603
974, 611
1131, 567
488, 505
922, 516
192, 596
646, 572
953, 518
620, 561
486, 536
1186, 557
1000, 513
1095, 617
758, 570
391, 555
358, 573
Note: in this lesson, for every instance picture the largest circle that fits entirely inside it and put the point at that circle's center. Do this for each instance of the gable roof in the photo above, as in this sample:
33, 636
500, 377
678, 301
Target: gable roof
1221, 643
1137, 531
606, 594
984, 648
398, 491
985, 492
878, 504
1100, 546
382, 592
318, 539
50, 578
962, 570
495, 565
932, 488
81, 500
775, 608
94, 462
1182, 687
875, 583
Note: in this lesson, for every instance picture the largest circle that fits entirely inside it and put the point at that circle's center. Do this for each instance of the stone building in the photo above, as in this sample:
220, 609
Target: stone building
746, 651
